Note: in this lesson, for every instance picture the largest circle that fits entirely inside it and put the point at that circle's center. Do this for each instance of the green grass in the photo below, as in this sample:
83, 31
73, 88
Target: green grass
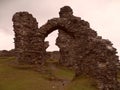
82, 83
14, 78
20, 79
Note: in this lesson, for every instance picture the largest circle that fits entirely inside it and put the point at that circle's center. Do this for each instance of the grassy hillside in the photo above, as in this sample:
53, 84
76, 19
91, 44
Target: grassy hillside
53, 77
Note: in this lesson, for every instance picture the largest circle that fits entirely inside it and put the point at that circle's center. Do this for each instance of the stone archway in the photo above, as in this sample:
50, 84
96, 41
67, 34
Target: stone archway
85, 51
51, 25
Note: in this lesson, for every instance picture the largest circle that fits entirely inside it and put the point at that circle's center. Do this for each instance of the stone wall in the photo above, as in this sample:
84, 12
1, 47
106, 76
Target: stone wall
54, 55
25, 27
7, 53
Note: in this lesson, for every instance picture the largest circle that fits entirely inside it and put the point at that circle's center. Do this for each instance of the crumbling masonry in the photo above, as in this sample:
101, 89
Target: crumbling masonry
80, 46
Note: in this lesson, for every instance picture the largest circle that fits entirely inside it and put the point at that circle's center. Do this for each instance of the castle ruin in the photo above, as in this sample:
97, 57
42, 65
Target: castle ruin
80, 46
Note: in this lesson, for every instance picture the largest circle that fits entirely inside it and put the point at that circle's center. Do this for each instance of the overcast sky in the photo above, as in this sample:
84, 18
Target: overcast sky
103, 16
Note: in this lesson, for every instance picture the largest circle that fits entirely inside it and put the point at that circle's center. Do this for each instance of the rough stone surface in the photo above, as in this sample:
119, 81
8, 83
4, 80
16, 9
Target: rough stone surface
80, 46
55, 55
25, 27
6, 53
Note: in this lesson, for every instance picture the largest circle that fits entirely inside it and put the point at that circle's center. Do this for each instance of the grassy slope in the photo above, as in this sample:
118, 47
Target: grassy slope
12, 78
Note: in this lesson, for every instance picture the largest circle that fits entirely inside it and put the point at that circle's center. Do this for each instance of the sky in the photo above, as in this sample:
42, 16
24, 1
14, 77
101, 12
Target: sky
103, 16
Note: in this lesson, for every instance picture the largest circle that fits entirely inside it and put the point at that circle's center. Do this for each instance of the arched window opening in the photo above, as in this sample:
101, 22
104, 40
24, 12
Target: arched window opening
53, 54
51, 38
